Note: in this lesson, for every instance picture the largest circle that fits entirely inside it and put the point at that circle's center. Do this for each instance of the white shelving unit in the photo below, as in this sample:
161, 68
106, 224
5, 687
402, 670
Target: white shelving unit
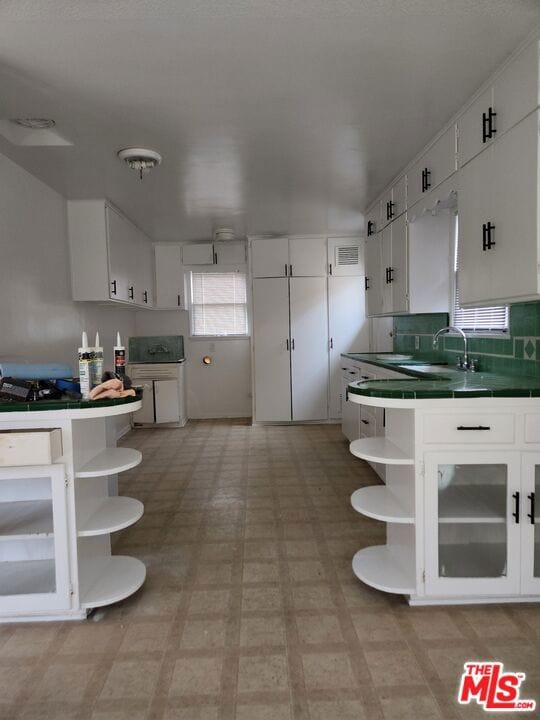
56, 520
382, 569
380, 503
380, 450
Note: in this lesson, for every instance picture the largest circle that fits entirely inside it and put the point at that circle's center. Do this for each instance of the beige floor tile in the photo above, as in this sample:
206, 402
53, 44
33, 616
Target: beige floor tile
317, 630
328, 671
268, 598
413, 708
431, 624
196, 676
209, 601
264, 673
131, 679
203, 634
260, 632
264, 712
342, 709
313, 597
12, 680
28, 641
306, 570
64, 683
393, 667
254, 572
145, 637
193, 712
376, 626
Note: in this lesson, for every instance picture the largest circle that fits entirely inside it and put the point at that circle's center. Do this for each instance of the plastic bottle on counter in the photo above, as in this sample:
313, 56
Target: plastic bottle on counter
97, 363
85, 367
119, 357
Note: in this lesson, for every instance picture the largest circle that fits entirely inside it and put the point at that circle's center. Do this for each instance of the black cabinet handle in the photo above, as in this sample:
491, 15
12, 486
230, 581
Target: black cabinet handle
426, 179
515, 514
346, 394
390, 275
351, 372
286, 269
331, 343
386, 273
330, 268
113, 289
391, 206
215, 258
179, 298
131, 293
370, 228
366, 283
491, 124
290, 270
484, 237
473, 427
487, 241
287, 346
292, 344
145, 296
485, 127
364, 377
366, 422
530, 514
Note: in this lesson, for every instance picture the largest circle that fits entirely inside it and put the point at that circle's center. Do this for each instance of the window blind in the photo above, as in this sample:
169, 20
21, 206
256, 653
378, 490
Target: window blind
475, 319
218, 304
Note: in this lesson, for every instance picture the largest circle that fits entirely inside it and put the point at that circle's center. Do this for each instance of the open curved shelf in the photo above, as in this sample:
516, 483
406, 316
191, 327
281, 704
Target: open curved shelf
378, 502
109, 462
106, 580
380, 450
115, 513
379, 568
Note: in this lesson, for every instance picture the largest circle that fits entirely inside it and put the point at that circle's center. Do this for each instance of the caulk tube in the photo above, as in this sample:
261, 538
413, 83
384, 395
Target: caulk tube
119, 357
97, 363
85, 365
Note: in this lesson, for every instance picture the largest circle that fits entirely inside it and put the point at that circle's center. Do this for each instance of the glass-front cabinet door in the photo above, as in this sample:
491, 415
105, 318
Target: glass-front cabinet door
530, 524
472, 520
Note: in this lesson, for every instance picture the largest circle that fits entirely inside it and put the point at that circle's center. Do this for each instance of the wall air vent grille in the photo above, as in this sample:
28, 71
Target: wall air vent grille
347, 255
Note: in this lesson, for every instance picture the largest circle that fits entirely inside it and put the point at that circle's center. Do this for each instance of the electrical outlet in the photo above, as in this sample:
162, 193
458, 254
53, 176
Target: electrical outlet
417, 342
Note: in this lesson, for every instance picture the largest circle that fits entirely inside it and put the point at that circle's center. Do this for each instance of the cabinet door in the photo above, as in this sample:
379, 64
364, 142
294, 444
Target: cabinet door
374, 275
120, 247
474, 210
307, 257
166, 401
472, 130
144, 280
530, 524
345, 256
438, 163
198, 254
472, 534
271, 357
350, 416
230, 253
309, 348
399, 271
270, 257
169, 277
386, 266
399, 197
512, 261
34, 546
516, 90
348, 329
146, 413
373, 220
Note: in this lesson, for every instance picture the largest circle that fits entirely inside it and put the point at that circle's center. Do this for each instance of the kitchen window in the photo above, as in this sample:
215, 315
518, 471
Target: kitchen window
219, 304
484, 320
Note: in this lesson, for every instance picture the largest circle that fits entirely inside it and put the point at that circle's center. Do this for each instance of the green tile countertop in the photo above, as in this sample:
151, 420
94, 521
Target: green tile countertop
41, 405
449, 383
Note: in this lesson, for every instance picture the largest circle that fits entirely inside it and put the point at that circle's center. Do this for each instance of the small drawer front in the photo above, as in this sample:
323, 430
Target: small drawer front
349, 373
478, 428
532, 428
30, 447
367, 423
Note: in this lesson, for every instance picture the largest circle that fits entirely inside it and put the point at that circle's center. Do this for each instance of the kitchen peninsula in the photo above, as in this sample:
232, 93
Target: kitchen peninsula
56, 513
461, 452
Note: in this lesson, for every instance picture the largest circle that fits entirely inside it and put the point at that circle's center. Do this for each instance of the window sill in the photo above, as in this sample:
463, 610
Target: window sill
219, 337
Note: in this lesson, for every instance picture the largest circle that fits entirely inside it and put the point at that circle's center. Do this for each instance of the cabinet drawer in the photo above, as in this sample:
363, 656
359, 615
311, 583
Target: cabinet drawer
30, 447
469, 428
367, 422
532, 428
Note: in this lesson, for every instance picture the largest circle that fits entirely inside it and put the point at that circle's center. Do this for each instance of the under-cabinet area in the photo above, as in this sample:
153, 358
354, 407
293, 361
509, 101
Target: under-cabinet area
458, 501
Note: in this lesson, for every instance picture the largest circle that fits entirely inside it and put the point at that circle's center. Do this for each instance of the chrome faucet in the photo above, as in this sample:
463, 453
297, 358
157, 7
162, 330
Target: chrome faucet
464, 363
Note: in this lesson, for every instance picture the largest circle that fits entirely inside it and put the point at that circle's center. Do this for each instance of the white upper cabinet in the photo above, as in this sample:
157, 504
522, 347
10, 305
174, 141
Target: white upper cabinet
170, 292
394, 285
438, 163
373, 286
373, 219
307, 257
345, 256
230, 253
394, 202
198, 254
270, 257
513, 95
111, 259
499, 219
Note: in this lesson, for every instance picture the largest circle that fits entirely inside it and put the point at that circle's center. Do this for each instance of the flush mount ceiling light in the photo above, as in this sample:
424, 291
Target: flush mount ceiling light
222, 234
140, 159
34, 123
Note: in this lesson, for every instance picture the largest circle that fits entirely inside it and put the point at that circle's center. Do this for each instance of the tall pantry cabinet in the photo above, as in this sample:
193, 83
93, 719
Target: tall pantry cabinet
302, 289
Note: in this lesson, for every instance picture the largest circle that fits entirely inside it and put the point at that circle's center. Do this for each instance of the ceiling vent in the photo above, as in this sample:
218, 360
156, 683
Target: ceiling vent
222, 234
140, 159
347, 255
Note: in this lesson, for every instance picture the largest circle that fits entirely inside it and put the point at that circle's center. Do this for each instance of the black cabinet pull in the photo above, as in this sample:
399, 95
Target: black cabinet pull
330, 268
390, 275
427, 179
484, 237
364, 377
473, 427
346, 394
366, 283
290, 270
386, 275
113, 289
351, 372
391, 209
370, 228
286, 268
287, 346
530, 514
292, 344
179, 298
485, 127
331, 343
131, 293
366, 422
489, 229
145, 296
491, 125
515, 514
215, 258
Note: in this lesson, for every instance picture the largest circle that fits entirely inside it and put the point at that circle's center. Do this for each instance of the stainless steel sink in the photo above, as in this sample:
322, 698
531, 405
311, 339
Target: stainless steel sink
435, 368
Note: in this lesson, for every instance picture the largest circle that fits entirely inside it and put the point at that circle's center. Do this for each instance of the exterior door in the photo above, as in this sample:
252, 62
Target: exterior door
530, 525
309, 348
348, 330
472, 532
271, 355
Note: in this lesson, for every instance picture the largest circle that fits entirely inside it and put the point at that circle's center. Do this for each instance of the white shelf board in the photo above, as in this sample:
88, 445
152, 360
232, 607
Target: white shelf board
27, 577
115, 513
380, 450
473, 504
26, 519
106, 580
109, 462
380, 503
379, 568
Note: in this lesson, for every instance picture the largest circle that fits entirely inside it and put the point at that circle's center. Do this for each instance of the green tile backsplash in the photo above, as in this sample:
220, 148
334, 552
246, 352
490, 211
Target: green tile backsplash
517, 353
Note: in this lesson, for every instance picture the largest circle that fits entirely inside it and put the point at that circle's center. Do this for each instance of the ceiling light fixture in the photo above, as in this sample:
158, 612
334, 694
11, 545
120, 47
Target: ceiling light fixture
34, 123
140, 159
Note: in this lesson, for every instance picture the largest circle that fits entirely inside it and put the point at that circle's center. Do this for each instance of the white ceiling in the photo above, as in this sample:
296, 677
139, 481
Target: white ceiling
271, 115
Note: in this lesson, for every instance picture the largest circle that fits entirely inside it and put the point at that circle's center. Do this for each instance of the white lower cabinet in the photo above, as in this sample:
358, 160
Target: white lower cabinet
530, 525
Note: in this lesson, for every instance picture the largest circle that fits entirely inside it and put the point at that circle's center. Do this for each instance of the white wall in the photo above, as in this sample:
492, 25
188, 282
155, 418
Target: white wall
38, 320
222, 389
